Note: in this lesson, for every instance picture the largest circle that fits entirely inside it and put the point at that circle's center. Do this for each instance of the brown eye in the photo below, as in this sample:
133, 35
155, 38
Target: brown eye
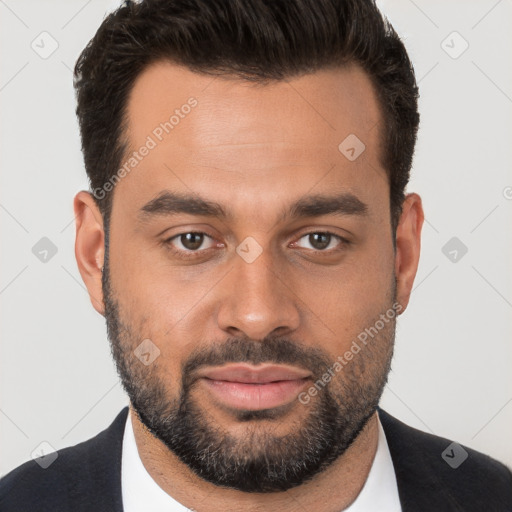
320, 241
192, 241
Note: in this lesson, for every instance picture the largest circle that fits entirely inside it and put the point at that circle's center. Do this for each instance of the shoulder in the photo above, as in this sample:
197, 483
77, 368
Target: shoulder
433, 471
83, 473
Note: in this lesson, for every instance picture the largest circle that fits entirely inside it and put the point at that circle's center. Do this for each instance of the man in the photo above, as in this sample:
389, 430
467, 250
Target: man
250, 243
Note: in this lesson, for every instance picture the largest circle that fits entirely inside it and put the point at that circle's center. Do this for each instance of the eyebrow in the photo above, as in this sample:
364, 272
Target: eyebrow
168, 203
171, 203
318, 205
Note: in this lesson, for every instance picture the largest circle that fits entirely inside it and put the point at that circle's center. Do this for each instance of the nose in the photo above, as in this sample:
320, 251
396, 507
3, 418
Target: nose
258, 300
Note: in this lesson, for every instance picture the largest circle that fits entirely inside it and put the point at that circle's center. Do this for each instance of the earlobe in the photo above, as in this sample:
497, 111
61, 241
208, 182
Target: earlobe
408, 247
90, 246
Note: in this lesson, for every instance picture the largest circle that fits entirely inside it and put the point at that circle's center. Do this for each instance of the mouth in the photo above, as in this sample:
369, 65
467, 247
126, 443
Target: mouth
252, 388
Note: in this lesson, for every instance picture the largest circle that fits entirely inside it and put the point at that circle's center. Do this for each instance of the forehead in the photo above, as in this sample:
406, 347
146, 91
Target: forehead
224, 136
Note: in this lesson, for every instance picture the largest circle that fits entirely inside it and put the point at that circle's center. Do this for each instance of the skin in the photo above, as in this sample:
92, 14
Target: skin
255, 150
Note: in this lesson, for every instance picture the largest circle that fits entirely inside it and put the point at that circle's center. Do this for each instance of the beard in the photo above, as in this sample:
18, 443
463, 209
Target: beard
259, 460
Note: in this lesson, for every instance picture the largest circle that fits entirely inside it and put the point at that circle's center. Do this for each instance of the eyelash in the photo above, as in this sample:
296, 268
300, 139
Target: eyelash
192, 254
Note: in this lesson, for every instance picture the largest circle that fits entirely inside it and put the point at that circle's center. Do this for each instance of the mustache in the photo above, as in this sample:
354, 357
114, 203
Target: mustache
244, 350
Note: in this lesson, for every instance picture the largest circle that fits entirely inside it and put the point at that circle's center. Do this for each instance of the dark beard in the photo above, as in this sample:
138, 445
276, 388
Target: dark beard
258, 462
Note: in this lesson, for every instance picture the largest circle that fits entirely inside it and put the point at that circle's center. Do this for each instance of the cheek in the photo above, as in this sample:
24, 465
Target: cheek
354, 295
161, 303
146, 284
361, 277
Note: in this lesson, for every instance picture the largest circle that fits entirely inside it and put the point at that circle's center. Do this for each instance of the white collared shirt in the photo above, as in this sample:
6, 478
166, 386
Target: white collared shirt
141, 492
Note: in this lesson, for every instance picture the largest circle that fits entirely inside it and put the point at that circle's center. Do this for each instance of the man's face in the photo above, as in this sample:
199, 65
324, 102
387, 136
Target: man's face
251, 307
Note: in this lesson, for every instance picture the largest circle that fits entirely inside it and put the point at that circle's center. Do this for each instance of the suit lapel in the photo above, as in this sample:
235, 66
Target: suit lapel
418, 468
100, 460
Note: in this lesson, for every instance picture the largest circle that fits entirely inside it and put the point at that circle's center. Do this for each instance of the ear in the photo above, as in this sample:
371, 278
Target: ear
408, 245
90, 246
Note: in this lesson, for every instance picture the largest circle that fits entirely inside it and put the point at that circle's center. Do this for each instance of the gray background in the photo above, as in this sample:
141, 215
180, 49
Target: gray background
451, 373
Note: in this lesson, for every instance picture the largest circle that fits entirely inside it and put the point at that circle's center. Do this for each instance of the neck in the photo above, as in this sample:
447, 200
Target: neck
323, 493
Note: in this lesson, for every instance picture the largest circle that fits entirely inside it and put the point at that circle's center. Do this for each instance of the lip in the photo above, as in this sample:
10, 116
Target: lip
249, 374
251, 388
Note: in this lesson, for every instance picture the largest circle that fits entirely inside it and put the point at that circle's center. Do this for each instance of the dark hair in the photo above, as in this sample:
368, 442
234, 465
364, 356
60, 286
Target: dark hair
256, 40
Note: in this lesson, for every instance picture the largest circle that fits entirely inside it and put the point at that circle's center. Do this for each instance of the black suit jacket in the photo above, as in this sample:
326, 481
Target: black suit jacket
87, 477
